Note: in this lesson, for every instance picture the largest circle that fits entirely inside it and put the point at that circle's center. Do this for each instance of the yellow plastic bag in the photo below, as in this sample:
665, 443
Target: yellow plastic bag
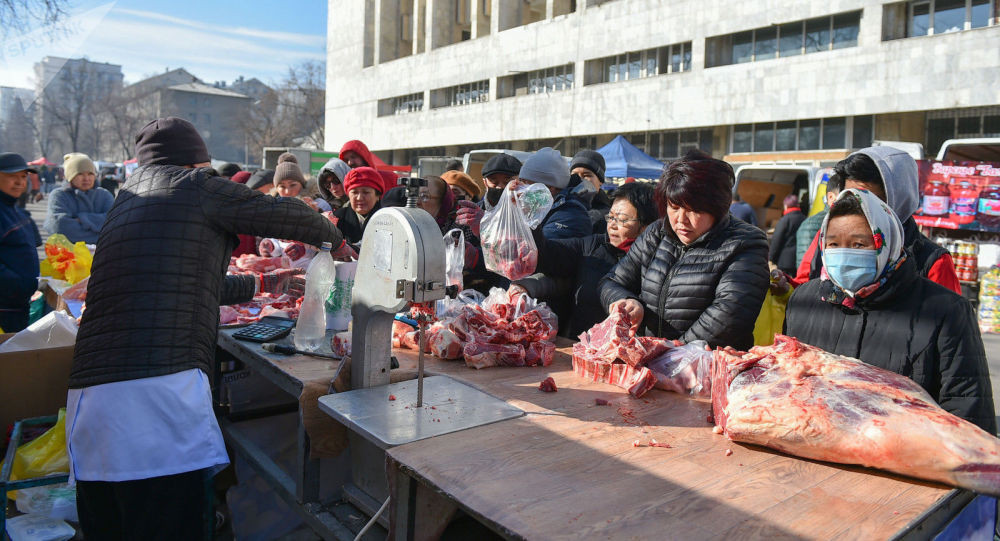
42, 456
65, 261
771, 318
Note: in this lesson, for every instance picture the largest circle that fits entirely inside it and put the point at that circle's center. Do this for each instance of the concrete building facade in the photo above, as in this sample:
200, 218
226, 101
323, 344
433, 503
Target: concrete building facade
773, 80
217, 112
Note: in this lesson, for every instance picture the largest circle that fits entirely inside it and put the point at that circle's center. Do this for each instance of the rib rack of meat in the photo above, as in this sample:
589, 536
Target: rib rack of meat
610, 352
809, 403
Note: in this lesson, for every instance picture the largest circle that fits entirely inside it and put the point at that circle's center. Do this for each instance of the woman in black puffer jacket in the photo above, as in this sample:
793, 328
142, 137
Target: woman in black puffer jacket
698, 274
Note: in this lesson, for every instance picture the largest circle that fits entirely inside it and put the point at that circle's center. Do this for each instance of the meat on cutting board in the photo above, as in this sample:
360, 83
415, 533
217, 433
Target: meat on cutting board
809, 403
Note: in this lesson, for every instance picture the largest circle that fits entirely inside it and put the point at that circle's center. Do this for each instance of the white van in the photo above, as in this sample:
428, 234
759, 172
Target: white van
764, 187
982, 149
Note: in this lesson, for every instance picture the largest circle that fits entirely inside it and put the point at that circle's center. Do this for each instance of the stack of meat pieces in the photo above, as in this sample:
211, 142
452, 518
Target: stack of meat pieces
610, 352
263, 304
514, 331
809, 403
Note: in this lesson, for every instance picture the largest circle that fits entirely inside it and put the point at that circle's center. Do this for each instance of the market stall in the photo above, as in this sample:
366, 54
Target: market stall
534, 476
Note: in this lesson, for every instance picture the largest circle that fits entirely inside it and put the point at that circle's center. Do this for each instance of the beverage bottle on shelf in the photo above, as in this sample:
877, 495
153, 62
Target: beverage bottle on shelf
310, 329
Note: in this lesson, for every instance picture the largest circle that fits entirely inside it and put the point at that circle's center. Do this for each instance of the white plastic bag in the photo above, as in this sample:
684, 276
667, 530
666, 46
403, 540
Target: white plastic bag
449, 308
685, 369
53, 501
56, 329
38, 528
338, 302
508, 247
454, 257
535, 201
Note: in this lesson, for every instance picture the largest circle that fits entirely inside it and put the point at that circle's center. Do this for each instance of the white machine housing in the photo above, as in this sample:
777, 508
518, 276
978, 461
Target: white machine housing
401, 261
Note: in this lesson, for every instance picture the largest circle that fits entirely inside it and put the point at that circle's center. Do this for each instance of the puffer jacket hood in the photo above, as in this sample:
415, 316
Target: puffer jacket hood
337, 167
899, 174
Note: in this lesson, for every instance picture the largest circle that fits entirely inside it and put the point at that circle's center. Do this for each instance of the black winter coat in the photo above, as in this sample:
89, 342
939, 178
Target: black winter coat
349, 224
711, 289
159, 273
582, 262
911, 326
782, 250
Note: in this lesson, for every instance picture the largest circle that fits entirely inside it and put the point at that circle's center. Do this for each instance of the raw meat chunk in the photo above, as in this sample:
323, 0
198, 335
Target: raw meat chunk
548, 385
480, 355
445, 344
806, 402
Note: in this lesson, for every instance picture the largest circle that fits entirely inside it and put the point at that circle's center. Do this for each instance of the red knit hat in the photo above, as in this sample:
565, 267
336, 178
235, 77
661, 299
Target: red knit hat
364, 176
241, 177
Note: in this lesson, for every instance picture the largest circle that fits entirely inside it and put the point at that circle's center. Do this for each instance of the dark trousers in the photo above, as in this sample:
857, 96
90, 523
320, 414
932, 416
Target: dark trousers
169, 507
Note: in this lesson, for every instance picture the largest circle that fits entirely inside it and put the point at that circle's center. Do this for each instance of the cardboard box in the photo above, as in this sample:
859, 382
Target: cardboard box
33, 383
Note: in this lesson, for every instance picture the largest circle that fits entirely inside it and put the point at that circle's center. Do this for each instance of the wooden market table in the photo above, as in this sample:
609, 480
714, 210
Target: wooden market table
568, 469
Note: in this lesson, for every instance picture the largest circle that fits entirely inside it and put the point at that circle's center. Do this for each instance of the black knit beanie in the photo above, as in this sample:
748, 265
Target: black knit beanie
261, 177
229, 169
170, 141
591, 159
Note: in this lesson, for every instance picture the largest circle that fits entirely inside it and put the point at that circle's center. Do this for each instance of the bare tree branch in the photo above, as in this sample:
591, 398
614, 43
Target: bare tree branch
23, 15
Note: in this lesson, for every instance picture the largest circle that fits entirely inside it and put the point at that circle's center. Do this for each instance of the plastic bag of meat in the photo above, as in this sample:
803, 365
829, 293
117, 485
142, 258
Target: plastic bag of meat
685, 369
448, 308
454, 257
508, 248
813, 404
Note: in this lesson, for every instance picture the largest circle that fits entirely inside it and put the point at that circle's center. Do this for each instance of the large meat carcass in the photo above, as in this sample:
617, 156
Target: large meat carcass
809, 403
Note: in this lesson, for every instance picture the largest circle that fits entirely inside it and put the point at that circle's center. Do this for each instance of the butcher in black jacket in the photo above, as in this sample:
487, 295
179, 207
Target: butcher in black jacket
569, 271
699, 273
141, 431
782, 251
875, 306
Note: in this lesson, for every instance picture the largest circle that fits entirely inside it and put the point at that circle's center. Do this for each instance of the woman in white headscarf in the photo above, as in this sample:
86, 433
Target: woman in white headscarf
871, 304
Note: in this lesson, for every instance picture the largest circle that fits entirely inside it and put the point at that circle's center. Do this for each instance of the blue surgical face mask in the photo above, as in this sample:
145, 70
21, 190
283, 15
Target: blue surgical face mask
851, 268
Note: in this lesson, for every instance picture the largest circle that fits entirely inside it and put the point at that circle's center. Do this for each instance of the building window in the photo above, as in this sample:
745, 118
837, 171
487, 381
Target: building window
931, 17
399, 105
477, 92
789, 39
639, 64
810, 134
669, 145
541, 81
961, 123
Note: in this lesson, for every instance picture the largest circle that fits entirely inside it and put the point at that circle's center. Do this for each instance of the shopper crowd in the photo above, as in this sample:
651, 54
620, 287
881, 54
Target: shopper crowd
685, 259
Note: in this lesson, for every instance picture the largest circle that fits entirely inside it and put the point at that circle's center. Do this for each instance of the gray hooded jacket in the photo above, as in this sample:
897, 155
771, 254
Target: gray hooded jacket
902, 191
340, 168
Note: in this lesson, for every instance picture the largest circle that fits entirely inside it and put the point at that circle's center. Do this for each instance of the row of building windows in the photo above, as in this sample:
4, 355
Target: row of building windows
902, 19
963, 123
477, 92
809, 134
673, 58
554, 79
784, 40
410, 103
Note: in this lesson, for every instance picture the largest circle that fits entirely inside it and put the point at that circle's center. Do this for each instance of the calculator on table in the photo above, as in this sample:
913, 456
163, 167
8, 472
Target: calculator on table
267, 329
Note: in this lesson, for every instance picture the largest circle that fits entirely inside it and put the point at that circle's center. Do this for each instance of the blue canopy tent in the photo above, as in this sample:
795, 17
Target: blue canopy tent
623, 159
